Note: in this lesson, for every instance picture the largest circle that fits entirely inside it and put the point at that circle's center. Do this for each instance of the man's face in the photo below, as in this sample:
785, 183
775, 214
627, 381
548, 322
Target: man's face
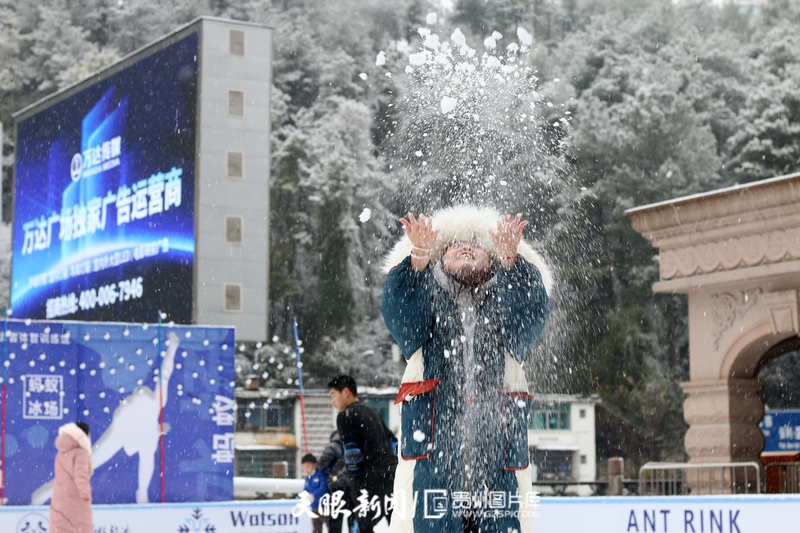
340, 399
466, 262
308, 468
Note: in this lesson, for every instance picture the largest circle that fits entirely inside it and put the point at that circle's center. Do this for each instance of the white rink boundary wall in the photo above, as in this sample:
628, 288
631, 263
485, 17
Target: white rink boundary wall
675, 514
261, 516
669, 514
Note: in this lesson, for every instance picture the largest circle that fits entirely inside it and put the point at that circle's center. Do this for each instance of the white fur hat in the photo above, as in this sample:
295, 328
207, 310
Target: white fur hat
78, 435
467, 223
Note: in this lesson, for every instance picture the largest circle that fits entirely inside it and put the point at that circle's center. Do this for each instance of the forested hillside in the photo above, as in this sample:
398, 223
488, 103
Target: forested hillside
628, 102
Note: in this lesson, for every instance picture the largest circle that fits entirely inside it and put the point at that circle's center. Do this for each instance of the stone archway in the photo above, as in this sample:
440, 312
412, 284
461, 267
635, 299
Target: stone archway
736, 253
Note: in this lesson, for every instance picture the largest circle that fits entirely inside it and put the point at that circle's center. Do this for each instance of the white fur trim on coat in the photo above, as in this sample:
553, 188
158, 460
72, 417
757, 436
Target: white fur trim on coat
83, 440
514, 379
527, 505
402, 516
467, 223
415, 368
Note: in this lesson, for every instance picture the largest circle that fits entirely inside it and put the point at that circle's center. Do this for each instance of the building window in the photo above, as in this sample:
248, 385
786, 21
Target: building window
262, 414
582, 413
235, 165
236, 103
549, 415
583, 459
258, 463
236, 43
233, 229
380, 405
233, 297
552, 464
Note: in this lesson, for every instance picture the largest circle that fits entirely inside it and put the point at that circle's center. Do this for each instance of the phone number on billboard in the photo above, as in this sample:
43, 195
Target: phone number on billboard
109, 294
129, 289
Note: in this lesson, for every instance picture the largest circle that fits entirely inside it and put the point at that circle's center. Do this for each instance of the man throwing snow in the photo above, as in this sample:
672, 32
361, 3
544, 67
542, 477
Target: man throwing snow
465, 299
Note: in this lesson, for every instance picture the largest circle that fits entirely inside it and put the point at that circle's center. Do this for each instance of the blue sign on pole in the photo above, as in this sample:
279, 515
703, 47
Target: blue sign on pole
781, 428
109, 375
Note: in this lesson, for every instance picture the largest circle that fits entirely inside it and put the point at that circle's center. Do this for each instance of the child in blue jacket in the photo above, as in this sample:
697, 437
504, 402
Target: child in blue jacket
316, 486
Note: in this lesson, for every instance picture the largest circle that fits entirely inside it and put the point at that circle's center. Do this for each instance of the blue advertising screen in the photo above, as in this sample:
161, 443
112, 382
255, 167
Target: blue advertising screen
781, 429
104, 197
107, 375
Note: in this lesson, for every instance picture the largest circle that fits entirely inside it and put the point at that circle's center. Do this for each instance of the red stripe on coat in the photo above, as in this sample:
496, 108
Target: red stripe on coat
414, 388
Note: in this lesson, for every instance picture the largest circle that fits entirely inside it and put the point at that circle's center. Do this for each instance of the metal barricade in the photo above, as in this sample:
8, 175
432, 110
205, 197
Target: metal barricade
674, 479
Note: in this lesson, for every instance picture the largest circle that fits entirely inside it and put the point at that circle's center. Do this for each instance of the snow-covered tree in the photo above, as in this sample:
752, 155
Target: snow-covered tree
49, 44
766, 141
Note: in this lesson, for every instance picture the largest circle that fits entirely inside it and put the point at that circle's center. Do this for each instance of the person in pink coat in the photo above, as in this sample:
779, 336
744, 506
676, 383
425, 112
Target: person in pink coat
71, 503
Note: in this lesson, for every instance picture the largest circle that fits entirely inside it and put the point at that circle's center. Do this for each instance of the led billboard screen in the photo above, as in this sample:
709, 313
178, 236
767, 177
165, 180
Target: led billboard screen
104, 196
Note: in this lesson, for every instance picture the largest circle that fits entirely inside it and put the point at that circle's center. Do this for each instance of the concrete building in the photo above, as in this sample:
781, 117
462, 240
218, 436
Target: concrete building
561, 438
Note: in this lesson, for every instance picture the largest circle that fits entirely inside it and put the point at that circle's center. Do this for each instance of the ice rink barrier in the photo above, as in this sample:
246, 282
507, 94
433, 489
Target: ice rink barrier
674, 514
259, 516
669, 514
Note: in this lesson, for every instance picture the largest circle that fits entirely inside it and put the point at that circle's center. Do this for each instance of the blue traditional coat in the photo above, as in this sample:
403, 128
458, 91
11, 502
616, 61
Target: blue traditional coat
464, 396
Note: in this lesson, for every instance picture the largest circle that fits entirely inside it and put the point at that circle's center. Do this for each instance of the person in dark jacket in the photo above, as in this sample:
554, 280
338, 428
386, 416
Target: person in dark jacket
367, 452
465, 299
331, 463
331, 460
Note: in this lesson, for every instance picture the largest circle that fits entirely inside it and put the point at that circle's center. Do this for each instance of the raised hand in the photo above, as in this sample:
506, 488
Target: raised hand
506, 239
420, 231
422, 236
